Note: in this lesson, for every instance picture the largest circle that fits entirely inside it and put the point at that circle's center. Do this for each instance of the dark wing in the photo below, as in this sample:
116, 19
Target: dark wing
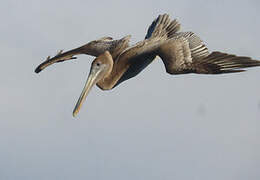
163, 26
186, 53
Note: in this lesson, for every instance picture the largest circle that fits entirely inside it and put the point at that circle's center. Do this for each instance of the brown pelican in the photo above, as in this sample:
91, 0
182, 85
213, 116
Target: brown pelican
181, 53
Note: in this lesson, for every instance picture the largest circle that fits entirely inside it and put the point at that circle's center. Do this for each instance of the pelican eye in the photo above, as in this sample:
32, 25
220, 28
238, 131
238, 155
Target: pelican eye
98, 64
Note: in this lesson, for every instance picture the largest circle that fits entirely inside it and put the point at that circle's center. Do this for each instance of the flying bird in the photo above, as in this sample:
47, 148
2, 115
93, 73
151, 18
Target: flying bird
181, 53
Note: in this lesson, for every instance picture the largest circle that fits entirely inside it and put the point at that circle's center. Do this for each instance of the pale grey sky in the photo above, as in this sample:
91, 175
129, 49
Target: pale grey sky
154, 126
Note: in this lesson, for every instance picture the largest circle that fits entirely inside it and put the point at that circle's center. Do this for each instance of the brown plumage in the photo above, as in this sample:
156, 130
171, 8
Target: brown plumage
181, 53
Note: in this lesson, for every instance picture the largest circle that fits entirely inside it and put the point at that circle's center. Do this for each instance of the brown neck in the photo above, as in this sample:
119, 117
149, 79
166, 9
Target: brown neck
119, 68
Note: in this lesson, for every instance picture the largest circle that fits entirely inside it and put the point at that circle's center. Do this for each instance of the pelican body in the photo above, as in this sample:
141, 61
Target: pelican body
181, 53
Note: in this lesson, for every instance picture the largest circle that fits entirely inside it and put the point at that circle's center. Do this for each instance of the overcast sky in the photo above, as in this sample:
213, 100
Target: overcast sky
154, 126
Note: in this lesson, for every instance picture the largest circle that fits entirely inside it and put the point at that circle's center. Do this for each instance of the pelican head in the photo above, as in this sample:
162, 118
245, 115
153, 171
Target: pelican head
101, 67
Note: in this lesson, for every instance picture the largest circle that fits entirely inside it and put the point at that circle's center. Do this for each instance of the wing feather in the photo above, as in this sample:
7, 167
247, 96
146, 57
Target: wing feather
179, 52
219, 63
163, 27
186, 53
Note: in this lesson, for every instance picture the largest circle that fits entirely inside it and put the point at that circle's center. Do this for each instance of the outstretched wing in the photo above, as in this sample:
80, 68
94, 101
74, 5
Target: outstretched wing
186, 53
93, 48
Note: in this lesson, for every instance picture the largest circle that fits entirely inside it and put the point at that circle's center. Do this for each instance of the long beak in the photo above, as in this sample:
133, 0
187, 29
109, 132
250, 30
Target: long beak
59, 58
91, 81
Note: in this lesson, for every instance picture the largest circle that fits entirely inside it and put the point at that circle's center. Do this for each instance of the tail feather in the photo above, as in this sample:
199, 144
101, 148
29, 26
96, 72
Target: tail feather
163, 26
218, 63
